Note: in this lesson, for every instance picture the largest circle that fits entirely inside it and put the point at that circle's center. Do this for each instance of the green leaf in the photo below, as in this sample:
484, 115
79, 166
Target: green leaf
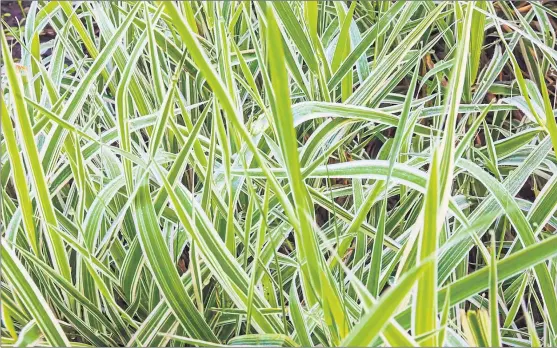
163, 268
31, 297
376, 318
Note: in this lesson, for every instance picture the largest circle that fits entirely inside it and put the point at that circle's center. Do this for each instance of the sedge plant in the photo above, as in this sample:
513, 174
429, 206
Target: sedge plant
303, 173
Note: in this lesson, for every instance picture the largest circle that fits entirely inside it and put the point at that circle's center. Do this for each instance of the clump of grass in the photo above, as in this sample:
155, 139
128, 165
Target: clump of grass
280, 173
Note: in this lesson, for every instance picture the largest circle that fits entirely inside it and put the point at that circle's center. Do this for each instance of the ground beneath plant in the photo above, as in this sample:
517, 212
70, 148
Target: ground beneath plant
13, 14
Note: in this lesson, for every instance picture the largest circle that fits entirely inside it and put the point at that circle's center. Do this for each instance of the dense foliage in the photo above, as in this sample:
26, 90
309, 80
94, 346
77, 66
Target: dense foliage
280, 173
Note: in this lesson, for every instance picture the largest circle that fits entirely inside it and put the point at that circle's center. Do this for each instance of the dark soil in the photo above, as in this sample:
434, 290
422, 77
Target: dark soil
13, 14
